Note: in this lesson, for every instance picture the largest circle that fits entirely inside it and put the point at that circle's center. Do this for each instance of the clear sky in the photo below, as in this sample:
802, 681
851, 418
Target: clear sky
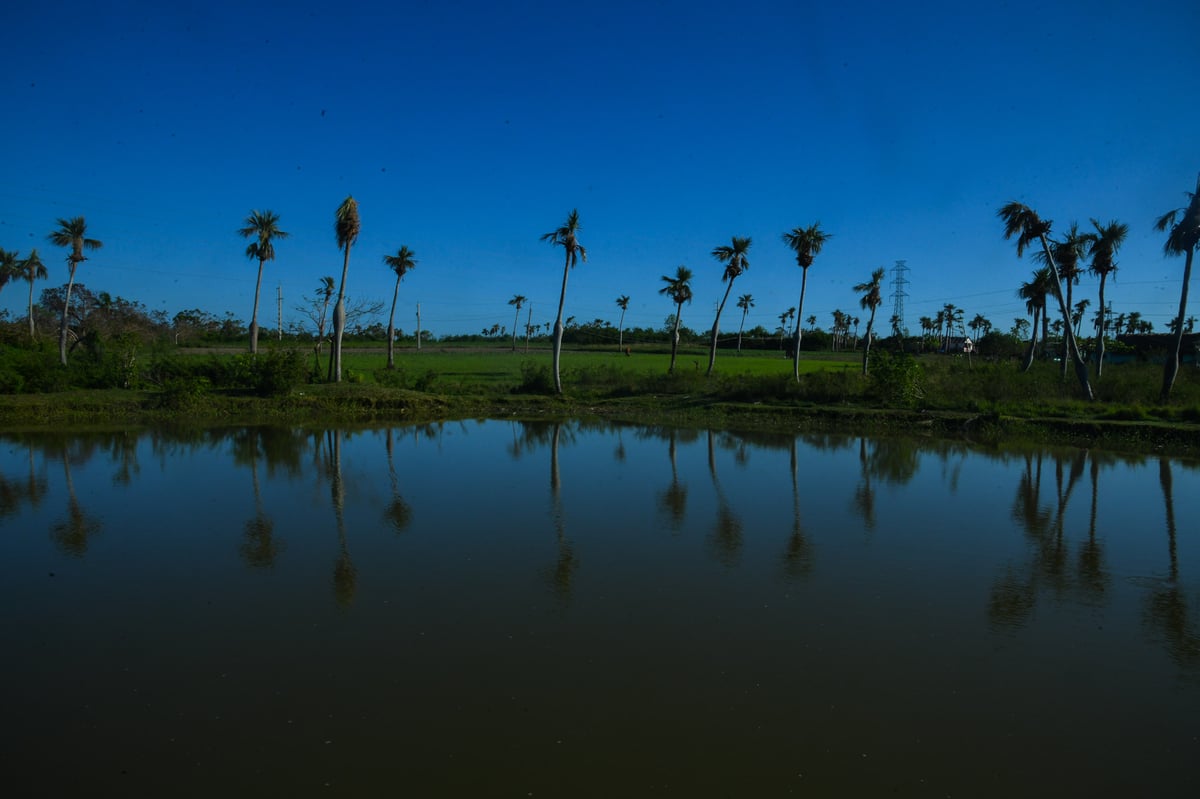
467, 129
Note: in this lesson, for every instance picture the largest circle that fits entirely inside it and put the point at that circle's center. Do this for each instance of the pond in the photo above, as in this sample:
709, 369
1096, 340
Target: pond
508, 608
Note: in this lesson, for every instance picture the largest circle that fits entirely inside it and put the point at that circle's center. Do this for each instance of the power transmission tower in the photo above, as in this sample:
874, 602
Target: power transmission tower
899, 282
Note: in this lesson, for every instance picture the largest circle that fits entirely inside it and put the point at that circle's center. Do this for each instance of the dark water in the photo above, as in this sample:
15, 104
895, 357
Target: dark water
509, 609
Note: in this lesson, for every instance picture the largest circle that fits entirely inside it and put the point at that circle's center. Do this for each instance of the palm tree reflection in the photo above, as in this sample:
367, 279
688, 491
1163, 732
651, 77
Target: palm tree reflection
563, 571
1167, 607
798, 556
258, 549
727, 535
398, 513
345, 575
673, 499
73, 534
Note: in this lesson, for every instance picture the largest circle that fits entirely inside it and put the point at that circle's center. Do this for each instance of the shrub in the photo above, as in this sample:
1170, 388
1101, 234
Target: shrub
896, 379
535, 378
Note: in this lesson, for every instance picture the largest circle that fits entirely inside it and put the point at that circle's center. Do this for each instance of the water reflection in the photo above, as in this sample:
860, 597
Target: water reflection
845, 579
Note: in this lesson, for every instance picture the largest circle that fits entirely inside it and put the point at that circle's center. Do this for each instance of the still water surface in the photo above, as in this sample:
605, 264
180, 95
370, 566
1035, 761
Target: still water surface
513, 609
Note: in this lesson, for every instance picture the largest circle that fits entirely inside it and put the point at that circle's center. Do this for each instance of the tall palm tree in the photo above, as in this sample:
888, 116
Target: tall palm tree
401, 263
872, 297
1183, 235
567, 237
679, 290
71, 233
1078, 312
806, 242
346, 227
1102, 247
517, 300
263, 228
733, 255
623, 304
1034, 293
31, 269
1067, 255
745, 302
1024, 223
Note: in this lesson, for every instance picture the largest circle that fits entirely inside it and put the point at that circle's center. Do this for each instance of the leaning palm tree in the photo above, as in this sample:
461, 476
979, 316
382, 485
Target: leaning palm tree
71, 233
1023, 222
623, 304
872, 297
263, 228
679, 290
346, 226
1183, 235
1102, 247
31, 269
733, 255
566, 236
745, 302
400, 263
806, 242
1067, 255
518, 300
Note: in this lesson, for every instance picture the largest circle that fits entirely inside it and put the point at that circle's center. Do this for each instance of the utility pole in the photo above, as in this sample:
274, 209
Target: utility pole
418, 325
279, 298
528, 319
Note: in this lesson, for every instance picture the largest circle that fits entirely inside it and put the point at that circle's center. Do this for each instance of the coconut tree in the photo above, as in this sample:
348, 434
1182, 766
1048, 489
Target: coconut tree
678, 288
1183, 234
31, 269
733, 255
623, 304
1067, 255
1078, 312
346, 227
745, 302
1024, 223
567, 237
1102, 248
806, 242
871, 299
72, 234
1034, 293
262, 227
401, 263
517, 300
9, 267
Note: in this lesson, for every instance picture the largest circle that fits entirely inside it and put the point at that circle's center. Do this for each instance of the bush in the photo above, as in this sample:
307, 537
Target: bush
896, 379
535, 378
391, 378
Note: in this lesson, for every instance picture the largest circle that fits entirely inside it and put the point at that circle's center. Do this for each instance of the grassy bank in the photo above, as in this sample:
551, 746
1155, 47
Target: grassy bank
931, 395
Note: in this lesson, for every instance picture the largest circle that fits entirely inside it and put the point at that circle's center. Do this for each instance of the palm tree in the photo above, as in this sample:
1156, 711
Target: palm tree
733, 255
346, 227
517, 300
1024, 223
1102, 247
978, 323
325, 291
1067, 255
745, 302
871, 299
679, 290
71, 233
263, 228
623, 304
783, 323
806, 243
32, 269
401, 263
1034, 293
812, 322
9, 266
1077, 315
567, 237
1183, 234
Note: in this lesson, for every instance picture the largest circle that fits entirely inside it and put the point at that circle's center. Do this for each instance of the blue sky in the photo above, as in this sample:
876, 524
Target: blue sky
466, 130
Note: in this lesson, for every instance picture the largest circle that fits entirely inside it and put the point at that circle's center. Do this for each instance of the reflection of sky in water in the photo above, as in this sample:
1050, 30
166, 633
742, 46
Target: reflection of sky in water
896, 604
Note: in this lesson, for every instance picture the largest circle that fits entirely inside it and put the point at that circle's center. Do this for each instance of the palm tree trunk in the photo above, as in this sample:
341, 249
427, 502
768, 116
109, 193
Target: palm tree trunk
1032, 343
62, 329
675, 338
391, 362
620, 334
1081, 371
32, 329
712, 347
1066, 353
516, 318
339, 321
799, 316
867, 345
254, 315
558, 327
741, 326
1100, 332
1171, 368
